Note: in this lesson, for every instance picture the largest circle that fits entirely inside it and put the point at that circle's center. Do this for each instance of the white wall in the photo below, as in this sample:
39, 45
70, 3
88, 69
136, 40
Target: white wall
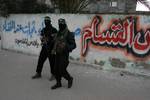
21, 29
12, 33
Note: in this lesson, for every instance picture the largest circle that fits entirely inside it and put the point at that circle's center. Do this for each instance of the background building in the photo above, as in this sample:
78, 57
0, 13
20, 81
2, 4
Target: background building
103, 6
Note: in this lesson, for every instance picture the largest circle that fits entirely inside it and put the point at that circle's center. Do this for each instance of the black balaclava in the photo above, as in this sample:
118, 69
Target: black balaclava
47, 21
62, 24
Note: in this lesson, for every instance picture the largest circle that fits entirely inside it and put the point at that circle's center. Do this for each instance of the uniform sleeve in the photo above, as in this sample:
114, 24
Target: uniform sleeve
42, 32
55, 30
54, 33
71, 44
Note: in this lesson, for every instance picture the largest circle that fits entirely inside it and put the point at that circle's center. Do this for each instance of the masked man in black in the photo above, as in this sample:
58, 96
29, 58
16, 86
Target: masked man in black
64, 43
48, 34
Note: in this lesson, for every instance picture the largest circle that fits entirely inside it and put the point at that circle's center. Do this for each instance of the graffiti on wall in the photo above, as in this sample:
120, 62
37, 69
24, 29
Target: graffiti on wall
27, 42
28, 29
77, 32
120, 33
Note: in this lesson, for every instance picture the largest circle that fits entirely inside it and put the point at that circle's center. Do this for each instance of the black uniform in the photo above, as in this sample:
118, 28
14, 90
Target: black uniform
65, 43
48, 32
47, 38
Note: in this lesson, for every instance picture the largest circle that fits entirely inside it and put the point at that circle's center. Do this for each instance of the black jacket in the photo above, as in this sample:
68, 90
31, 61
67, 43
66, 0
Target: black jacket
68, 39
50, 33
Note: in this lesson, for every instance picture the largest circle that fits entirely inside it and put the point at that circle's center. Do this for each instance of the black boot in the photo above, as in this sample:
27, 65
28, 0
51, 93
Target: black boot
70, 82
37, 75
57, 85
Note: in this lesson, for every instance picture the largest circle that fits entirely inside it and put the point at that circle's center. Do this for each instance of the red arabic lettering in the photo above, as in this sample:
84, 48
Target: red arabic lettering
119, 34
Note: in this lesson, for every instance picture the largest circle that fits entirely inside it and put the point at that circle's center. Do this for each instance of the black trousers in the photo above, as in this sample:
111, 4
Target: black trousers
44, 54
60, 69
